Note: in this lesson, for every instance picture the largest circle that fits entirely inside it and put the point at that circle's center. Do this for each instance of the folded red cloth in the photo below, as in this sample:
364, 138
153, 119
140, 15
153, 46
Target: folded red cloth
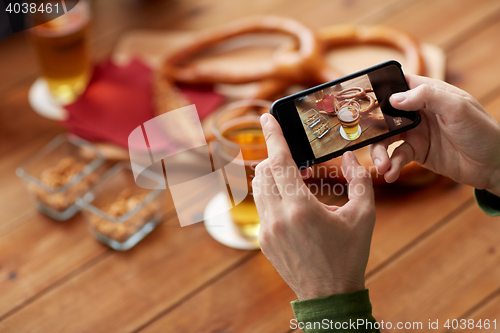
118, 99
327, 104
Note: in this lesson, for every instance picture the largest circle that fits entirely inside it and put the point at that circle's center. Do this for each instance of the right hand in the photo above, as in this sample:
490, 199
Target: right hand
319, 250
457, 138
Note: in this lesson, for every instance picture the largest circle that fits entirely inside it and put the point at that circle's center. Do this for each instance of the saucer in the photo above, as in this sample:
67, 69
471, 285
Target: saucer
344, 134
221, 227
41, 101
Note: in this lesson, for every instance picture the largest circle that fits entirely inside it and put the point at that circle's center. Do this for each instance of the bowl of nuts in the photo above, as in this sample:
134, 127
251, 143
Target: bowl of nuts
120, 213
62, 171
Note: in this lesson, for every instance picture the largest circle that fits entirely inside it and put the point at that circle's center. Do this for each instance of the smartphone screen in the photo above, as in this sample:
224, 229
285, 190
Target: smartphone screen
346, 114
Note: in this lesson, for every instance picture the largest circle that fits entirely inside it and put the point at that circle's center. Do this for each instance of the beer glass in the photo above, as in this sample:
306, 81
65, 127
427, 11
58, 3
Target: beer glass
61, 45
348, 117
319, 96
239, 123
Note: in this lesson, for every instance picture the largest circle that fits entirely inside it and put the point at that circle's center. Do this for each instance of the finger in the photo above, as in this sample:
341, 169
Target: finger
401, 156
416, 80
267, 188
360, 183
332, 208
429, 98
305, 173
380, 151
380, 157
257, 197
283, 167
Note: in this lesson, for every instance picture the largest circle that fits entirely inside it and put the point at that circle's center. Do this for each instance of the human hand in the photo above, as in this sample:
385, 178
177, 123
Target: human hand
319, 250
457, 138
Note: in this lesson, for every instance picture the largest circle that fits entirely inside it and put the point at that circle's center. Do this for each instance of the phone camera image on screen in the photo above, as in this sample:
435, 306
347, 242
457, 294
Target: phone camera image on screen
341, 115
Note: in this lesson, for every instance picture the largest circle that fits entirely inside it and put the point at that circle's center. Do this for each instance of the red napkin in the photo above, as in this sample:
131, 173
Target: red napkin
118, 99
327, 104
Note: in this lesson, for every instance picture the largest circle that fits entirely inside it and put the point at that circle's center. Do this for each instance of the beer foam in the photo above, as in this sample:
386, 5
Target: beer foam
347, 115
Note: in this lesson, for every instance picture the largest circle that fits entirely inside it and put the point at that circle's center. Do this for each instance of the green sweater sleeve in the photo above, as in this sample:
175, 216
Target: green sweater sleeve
488, 202
349, 312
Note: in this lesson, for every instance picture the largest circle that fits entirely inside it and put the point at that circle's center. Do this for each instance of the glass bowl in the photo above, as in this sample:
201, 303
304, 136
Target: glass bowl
120, 213
62, 171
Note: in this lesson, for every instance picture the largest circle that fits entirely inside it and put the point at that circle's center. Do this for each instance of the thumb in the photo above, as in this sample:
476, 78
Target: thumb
426, 97
360, 183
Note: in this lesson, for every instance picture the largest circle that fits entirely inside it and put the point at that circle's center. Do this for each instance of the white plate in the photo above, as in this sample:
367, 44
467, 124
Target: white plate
221, 227
42, 102
344, 134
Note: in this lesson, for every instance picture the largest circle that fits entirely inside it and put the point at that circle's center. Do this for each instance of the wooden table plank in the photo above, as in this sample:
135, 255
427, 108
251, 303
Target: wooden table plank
441, 278
14, 200
474, 66
444, 22
17, 60
39, 253
489, 310
18, 123
125, 290
198, 14
397, 225
252, 298
493, 108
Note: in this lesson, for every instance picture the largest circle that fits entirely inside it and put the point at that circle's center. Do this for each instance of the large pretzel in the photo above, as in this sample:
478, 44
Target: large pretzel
343, 35
354, 93
351, 93
286, 65
303, 63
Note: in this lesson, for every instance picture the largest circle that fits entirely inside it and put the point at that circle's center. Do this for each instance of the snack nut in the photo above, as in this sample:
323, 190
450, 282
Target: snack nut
124, 203
58, 176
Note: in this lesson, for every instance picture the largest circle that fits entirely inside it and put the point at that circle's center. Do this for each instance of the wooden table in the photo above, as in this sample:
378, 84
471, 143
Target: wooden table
435, 255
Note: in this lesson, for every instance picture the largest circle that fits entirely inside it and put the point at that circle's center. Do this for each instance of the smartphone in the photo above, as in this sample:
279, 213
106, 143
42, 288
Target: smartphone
323, 122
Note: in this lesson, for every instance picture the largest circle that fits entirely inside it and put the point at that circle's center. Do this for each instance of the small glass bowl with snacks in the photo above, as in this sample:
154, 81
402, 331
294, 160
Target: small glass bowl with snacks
120, 213
62, 171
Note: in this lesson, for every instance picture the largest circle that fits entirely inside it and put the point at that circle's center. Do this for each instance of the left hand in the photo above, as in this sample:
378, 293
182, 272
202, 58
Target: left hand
319, 250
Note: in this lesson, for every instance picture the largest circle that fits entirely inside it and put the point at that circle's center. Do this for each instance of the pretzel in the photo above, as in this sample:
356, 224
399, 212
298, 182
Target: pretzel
371, 104
359, 93
269, 89
342, 35
292, 66
343, 94
302, 62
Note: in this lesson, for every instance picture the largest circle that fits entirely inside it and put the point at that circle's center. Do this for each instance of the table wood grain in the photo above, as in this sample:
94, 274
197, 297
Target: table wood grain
434, 254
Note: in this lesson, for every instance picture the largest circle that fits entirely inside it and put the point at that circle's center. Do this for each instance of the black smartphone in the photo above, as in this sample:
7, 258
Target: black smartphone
323, 122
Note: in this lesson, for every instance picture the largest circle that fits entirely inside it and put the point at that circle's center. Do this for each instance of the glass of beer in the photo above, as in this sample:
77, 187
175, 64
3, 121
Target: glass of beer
319, 96
62, 49
239, 123
348, 117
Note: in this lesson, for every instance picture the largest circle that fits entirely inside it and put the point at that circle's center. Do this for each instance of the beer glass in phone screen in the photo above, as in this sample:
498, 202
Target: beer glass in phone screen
341, 115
